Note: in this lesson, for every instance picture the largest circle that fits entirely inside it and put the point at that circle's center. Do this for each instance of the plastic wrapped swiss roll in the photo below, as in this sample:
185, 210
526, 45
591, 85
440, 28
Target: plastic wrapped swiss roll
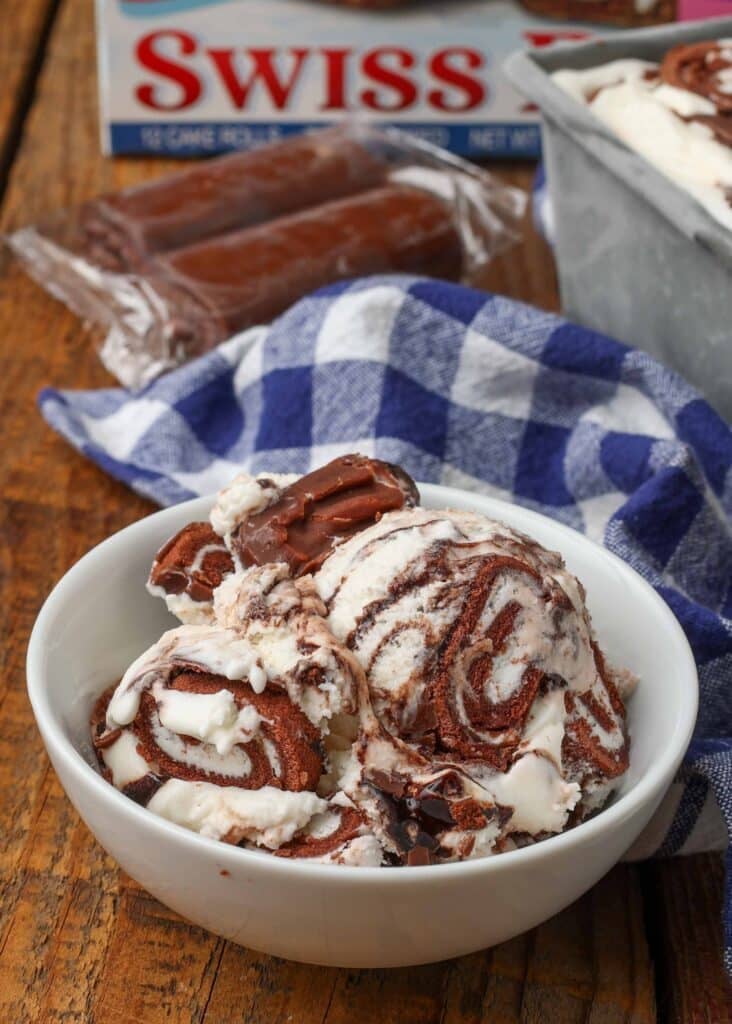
173, 267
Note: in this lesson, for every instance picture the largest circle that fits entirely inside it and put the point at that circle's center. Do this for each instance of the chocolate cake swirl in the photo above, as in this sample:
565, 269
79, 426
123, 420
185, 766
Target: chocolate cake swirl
339, 835
214, 721
704, 68
248, 739
188, 569
480, 658
124, 229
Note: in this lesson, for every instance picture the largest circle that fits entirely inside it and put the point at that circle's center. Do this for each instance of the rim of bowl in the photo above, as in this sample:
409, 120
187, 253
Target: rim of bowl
622, 807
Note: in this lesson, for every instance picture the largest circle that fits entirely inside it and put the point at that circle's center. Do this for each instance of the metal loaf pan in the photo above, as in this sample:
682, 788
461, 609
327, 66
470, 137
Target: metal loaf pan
638, 257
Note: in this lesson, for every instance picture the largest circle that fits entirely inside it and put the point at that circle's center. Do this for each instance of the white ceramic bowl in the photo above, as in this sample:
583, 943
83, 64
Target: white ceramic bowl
100, 617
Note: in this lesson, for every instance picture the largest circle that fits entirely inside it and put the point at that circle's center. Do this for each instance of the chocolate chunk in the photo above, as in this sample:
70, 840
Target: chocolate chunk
447, 783
611, 12
320, 510
143, 790
418, 817
502, 814
420, 856
388, 782
434, 808
550, 682
193, 562
407, 834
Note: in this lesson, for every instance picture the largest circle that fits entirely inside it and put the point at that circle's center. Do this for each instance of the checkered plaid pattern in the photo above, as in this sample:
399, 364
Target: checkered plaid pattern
478, 392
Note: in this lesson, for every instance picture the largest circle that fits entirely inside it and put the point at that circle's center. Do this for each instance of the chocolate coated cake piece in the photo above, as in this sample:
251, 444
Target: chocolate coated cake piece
320, 510
125, 228
217, 287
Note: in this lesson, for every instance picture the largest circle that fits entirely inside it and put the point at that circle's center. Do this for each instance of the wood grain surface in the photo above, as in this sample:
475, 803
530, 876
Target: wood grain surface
79, 940
25, 28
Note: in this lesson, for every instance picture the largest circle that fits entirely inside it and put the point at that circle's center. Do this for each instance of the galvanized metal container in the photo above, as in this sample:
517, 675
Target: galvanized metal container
638, 257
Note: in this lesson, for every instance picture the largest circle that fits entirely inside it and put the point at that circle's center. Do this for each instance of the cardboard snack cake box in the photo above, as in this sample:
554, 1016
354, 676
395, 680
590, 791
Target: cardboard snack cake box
190, 77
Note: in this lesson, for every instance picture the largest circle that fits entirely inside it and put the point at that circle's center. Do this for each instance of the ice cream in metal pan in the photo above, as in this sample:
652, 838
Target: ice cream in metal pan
676, 113
634, 129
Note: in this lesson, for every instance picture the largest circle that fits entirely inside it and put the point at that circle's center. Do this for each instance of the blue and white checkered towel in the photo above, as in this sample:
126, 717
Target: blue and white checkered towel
479, 392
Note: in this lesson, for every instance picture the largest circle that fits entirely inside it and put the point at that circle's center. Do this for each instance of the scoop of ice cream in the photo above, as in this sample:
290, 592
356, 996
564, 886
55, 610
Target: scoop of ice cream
482, 668
268, 518
192, 564
221, 727
321, 510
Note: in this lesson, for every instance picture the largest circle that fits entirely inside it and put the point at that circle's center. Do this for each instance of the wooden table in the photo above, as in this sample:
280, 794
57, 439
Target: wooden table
79, 940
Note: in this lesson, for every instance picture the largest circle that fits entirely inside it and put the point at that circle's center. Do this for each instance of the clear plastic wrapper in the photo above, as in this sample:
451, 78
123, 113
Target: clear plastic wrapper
171, 268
